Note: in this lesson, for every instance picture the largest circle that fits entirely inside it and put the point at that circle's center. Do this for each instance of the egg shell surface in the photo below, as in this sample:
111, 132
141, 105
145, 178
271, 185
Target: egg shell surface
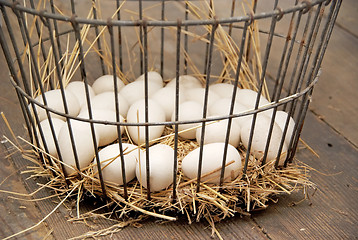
280, 119
135, 91
55, 102
107, 133
212, 160
48, 136
136, 114
83, 141
111, 162
222, 108
153, 77
161, 165
105, 83
165, 97
224, 90
185, 82
188, 110
198, 95
216, 132
248, 97
78, 89
259, 139
107, 101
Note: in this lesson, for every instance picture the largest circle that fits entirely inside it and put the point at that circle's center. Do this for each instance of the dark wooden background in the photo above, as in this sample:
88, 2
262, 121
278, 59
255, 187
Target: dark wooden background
331, 129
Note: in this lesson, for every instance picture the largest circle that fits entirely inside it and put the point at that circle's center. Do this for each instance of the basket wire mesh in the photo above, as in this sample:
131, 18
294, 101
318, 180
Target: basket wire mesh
43, 29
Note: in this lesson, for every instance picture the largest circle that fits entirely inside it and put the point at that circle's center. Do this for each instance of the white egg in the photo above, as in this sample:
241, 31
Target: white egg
161, 166
280, 119
222, 108
224, 90
136, 114
78, 89
211, 161
111, 163
198, 95
107, 133
248, 97
106, 100
83, 141
259, 139
165, 97
105, 83
48, 136
135, 91
188, 110
55, 102
153, 77
185, 82
216, 132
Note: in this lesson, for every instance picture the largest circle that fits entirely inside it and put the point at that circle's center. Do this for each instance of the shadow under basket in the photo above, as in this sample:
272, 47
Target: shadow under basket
166, 107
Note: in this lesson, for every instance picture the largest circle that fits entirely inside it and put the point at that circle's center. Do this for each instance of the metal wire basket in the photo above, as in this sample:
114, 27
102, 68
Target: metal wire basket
47, 46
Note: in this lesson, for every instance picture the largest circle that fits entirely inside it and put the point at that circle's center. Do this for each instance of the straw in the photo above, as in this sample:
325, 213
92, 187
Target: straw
213, 203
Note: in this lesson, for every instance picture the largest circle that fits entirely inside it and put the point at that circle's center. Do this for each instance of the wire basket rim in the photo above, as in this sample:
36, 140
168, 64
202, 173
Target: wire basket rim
278, 12
265, 107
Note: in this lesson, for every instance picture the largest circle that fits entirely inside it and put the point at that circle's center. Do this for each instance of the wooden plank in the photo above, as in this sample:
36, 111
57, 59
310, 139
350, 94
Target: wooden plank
151, 229
335, 96
62, 229
237, 227
347, 17
36, 210
58, 221
17, 215
234, 228
333, 213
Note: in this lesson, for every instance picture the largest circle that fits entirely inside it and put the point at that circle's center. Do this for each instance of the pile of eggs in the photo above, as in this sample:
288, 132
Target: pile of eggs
161, 108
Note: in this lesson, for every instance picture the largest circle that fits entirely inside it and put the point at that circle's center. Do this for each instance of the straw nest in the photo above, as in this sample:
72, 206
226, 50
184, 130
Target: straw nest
252, 191
239, 196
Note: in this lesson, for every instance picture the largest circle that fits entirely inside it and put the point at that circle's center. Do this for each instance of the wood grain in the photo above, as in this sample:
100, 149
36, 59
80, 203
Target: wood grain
333, 211
347, 17
17, 215
335, 97
235, 228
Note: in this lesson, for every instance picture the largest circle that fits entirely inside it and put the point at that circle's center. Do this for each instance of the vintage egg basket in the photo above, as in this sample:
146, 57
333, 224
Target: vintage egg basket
272, 47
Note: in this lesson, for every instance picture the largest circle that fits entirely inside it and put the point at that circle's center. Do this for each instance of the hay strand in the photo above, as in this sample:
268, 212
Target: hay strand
213, 203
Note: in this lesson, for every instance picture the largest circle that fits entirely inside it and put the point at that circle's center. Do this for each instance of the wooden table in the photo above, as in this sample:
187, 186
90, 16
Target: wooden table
331, 129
